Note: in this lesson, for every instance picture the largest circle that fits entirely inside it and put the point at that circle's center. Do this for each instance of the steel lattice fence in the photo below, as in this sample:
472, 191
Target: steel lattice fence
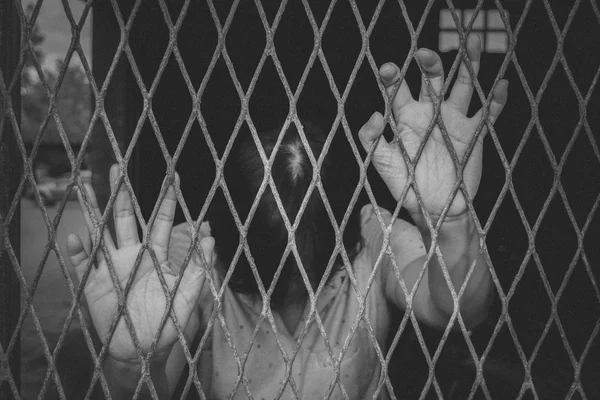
580, 142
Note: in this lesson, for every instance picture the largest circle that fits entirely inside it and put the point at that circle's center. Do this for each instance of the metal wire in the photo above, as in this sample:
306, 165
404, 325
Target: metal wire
241, 355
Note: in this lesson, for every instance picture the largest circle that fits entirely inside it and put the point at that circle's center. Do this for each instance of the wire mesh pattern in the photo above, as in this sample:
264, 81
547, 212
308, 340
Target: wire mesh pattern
270, 51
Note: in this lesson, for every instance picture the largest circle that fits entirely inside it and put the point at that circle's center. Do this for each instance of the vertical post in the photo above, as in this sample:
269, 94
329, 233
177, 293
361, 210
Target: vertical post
10, 172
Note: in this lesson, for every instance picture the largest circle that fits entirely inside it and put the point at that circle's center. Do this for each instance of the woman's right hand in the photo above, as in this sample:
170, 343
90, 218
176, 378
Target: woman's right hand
146, 301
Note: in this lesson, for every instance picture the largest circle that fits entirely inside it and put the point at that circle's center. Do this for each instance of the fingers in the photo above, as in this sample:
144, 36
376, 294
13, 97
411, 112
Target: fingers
390, 75
434, 70
161, 231
387, 159
371, 131
460, 97
499, 97
179, 244
94, 208
77, 254
123, 214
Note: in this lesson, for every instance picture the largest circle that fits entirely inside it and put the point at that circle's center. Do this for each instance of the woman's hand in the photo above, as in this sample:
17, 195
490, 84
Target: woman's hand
146, 301
435, 172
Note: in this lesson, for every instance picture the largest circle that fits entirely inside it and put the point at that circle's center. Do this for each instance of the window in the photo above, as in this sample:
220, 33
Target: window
488, 24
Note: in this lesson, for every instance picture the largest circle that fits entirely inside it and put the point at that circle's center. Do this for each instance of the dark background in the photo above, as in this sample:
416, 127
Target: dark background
555, 245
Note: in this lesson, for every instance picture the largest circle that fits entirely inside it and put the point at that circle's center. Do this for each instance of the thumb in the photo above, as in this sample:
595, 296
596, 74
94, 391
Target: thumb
371, 130
77, 254
192, 282
387, 159
208, 248
371, 135
196, 271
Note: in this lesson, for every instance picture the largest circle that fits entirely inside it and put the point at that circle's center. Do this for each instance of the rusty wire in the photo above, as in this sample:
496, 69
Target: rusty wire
241, 355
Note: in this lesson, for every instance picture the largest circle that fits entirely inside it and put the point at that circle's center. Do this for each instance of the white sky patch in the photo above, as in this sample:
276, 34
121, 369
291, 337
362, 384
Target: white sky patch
56, 29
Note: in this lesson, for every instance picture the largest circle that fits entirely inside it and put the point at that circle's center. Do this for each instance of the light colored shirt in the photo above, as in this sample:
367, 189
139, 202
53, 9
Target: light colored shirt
313, 369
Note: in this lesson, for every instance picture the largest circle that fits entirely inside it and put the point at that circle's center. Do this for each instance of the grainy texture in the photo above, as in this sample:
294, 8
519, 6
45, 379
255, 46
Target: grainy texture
10, 261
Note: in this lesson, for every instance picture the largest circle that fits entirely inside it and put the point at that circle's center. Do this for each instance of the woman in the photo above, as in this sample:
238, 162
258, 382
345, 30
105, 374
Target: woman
243, 346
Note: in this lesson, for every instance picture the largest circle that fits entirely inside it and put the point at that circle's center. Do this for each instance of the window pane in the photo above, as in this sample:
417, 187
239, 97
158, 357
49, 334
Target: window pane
449, 41
478, 24
496, 42
446, 19
494, 21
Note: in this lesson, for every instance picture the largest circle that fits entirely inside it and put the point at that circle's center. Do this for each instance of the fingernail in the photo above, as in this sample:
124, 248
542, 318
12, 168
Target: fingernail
386, 68
372, 119
375, 119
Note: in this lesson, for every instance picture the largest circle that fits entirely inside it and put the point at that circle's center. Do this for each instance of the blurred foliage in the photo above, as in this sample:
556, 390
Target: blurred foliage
72, 105
36, 38
73, 99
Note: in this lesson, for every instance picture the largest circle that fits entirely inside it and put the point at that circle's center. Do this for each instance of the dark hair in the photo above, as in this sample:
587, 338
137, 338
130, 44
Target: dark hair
267, 235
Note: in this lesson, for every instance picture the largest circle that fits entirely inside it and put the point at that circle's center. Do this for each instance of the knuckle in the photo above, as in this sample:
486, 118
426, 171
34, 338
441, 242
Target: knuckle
123, 212
164, 215
464, 79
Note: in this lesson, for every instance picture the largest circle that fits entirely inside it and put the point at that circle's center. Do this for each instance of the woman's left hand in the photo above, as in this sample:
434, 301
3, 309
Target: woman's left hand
435, 172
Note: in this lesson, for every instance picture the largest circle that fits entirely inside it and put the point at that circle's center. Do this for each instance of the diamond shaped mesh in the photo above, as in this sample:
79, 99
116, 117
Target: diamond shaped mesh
478, 355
